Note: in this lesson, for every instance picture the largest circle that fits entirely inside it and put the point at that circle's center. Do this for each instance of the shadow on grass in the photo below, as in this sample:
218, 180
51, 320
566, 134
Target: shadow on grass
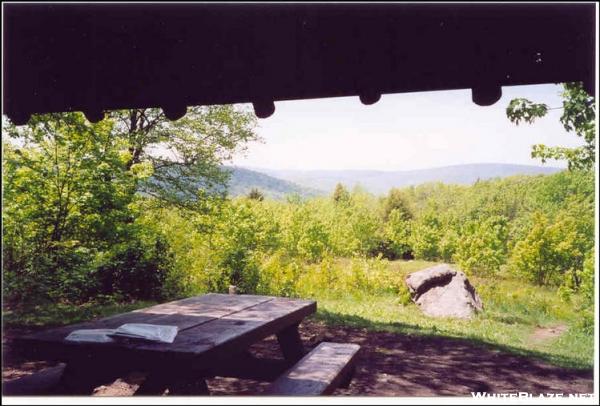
340, 319
405, 360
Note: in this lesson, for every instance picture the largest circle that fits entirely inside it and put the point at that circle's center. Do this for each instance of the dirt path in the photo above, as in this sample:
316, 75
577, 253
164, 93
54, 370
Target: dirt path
542, 335
394, 365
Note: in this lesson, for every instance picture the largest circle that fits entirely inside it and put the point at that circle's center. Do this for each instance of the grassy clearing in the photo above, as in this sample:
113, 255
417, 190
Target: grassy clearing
513, 310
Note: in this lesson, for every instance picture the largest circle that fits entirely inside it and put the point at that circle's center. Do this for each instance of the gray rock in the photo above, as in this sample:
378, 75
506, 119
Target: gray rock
421, 281
441, 291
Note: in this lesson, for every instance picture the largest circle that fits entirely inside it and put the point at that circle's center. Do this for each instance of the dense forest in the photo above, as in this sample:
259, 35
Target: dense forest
115, 211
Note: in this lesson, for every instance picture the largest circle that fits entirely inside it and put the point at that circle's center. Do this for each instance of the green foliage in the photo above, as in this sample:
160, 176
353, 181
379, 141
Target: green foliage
245, 231
578, 116
66, 203
71, 197
341, 194
521, 109
136, 270
482, 245
396, 200
93, 213
256, 194
60, 314
587, 280
553, 252
183, 155
397, 231
404, 296
426, 234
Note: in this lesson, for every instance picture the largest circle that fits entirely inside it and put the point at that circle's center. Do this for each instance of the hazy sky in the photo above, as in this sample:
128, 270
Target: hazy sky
404, 131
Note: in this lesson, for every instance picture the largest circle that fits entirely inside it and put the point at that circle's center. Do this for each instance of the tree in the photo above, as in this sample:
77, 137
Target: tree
341, 194
397, 232
426, 233
256, 194
482, 245
71, 188
578, 116
555, 249
66, 200
395, 201
184, 156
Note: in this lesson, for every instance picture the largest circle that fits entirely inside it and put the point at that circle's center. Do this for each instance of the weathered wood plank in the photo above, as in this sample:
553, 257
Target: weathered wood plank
235, 332
185, 314
318, 373
211, 305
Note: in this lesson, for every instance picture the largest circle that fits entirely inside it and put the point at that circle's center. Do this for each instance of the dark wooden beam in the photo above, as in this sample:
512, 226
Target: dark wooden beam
97, 57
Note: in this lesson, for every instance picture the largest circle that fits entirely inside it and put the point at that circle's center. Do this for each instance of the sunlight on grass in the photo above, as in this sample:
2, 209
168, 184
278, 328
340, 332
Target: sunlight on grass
512, 312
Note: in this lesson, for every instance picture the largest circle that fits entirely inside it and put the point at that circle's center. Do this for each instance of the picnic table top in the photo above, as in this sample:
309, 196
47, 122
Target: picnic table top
211, 325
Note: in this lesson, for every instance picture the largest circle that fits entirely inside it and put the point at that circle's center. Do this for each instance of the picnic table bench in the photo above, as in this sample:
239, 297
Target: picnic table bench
214, 333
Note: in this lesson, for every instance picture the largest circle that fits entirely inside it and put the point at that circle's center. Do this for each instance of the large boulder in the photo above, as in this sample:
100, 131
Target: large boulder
441, 291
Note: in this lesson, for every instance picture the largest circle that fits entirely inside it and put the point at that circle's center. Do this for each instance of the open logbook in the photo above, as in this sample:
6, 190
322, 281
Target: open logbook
135, 331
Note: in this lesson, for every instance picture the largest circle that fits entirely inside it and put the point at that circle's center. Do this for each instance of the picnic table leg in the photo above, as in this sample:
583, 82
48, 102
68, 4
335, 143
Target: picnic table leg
81, 377
345, 383
290, 343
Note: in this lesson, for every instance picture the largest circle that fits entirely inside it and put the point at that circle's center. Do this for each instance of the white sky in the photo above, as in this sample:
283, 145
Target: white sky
404, 131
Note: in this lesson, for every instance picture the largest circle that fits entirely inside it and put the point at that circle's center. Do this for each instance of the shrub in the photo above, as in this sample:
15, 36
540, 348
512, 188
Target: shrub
397, 232
481, 247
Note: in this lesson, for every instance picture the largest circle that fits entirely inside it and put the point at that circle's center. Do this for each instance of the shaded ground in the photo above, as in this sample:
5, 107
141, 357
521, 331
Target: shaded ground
389, 364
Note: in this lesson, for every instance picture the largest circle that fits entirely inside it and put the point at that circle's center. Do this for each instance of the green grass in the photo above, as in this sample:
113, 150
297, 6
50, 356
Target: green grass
59, 314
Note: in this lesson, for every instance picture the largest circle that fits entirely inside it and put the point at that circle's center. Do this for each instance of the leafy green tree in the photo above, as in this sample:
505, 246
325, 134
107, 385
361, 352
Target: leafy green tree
180, 157
244, 232
554, 250
533, 257
426, 234
578, 116
481, 247
587, 279
71, 189
397, 232
341, 194
66, 202
395, 200
256, 194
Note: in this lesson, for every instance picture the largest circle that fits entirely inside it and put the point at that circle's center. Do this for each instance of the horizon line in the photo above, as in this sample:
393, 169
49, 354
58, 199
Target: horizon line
258, 168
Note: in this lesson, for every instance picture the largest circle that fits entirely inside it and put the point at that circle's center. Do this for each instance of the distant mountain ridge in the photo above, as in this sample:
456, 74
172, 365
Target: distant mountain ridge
277, 184
379, 182
243, 180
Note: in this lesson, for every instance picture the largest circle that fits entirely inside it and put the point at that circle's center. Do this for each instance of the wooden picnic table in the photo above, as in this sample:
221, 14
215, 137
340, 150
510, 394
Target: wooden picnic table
215, 331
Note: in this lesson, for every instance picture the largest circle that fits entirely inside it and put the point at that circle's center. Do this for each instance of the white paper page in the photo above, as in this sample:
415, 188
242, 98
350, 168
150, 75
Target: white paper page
91, 336
152, 332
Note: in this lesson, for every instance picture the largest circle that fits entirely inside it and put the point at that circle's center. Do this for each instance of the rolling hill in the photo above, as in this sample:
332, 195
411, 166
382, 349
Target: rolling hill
379, 182
243, 180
